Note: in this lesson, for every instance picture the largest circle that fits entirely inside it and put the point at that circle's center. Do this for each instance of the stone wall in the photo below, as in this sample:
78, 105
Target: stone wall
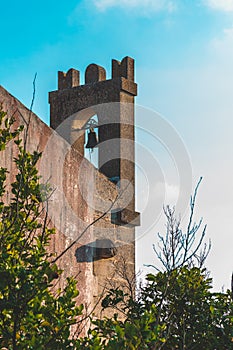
80, 191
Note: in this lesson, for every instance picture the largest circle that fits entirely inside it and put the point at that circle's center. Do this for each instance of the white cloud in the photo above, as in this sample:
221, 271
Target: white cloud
172, 194
222, 47
146, 5
221, 5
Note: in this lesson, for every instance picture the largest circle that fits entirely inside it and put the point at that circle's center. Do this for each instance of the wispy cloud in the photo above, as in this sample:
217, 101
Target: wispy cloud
222, 47
221, 5
146, 5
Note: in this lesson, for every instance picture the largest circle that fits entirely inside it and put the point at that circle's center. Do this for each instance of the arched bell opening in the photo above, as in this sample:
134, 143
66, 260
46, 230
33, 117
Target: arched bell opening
84, 136
91, 151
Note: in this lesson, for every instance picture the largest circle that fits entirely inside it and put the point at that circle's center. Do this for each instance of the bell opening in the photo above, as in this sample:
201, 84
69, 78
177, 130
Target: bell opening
91, 151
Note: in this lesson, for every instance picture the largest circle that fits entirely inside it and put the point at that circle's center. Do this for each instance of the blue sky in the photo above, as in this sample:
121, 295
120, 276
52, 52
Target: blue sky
46, 36
184, 67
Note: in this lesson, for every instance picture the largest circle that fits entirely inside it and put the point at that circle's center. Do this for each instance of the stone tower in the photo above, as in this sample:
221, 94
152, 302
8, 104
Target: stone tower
112, 100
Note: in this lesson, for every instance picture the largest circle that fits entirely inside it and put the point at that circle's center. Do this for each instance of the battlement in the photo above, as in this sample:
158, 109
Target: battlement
68, 80
124, 69
95, 73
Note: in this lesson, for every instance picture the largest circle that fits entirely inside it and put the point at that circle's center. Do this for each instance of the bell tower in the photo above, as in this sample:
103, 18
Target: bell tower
112, 100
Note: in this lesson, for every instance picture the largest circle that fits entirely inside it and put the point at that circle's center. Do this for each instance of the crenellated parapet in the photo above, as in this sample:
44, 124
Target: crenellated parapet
94, 73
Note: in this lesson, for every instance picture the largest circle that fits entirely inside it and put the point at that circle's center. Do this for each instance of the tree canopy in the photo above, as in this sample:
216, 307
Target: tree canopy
33, 315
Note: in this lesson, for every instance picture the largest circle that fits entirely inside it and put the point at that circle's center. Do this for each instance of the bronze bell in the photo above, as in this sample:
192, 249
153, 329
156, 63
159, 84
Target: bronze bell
92, 139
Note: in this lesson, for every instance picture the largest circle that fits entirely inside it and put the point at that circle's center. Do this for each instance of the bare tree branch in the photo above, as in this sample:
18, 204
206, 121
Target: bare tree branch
177, 248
